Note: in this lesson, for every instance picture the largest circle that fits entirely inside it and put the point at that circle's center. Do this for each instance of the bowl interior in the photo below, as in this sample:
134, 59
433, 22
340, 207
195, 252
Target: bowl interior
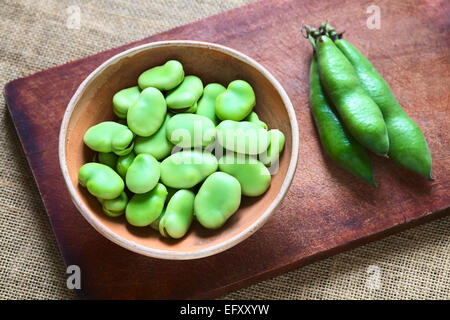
94, 105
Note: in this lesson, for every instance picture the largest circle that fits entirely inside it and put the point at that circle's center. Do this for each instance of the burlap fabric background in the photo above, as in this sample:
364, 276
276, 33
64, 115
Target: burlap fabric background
34, 36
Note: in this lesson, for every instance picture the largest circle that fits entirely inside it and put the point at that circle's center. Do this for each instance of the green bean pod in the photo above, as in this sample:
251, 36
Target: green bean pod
360, 114
408, 146
336, 141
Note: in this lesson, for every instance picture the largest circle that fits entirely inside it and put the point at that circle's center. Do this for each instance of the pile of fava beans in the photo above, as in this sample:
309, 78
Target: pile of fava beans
354, 109
179, 152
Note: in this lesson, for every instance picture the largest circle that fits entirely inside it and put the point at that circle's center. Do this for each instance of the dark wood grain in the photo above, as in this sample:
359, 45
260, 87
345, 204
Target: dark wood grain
326, 210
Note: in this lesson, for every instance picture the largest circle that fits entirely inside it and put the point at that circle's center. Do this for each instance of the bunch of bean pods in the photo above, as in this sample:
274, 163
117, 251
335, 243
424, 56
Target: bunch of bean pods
179, 151
354, 109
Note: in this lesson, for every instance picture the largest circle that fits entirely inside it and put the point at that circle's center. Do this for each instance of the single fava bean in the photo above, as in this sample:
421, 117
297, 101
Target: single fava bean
123, 163
157, 144
165, 77
147, 115
207, 103
236, 102
253, 117
100, 180
185, 95
243, 137
114, 207
108, 158
217, 199
143, 174
178, 215
109, 136
145, 208
124, 99
190, 130
275, 148
185, 169
252, 174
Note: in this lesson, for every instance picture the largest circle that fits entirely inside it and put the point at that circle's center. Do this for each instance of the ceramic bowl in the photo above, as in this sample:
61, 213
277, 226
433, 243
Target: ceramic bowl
92, 104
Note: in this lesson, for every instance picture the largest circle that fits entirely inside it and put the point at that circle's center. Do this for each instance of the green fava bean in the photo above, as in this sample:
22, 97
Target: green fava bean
217, 199
108, 158
360, 114
334, 137
253, 117
407, 144
190, 130
185, 95
143, 174
178, 215
145, 208
147, 115
252, 174
275, 148
114, 207
185, 169
207, 103
109, 136
242, 137
124, 99
157, 144
123, 163
165, 77
100, 180
236, 102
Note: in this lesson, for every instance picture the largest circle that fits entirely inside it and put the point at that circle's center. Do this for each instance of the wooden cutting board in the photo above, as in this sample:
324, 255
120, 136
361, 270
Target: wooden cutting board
326, 210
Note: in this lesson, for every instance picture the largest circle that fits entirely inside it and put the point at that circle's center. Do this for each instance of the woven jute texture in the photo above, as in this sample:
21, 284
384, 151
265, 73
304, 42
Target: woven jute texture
35, 35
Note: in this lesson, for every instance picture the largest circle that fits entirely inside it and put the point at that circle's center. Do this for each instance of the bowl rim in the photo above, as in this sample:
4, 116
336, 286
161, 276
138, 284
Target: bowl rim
169, 254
